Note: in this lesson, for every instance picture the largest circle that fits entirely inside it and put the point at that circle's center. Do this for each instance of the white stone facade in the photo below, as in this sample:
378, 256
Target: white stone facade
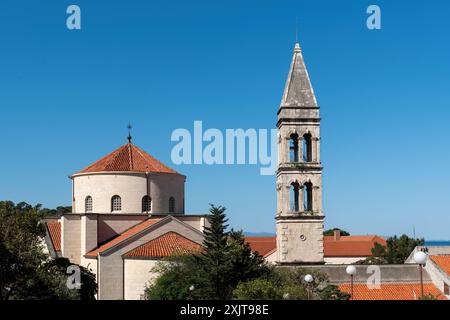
131, 187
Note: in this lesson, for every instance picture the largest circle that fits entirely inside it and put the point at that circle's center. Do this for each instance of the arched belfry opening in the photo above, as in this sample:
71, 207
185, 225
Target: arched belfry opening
307, 147
295, 197
293, 148
308, 197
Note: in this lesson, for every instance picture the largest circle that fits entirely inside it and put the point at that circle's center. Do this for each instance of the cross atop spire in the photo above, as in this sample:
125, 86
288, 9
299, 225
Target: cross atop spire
129, 132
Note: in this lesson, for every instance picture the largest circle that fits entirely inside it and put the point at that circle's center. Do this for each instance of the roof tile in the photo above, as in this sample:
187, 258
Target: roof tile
443, 262
54, 230
391, 291
128, 158
123, 236
166, 245
346, 246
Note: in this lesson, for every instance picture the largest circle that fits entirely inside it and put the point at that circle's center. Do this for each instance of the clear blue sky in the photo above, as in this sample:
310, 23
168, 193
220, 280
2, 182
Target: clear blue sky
67, 96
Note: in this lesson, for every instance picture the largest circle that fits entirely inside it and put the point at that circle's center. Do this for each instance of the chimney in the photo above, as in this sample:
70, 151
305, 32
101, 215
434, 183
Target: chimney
337, 235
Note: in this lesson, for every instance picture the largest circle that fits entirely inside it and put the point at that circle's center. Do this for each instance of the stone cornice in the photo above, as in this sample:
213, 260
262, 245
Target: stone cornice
300, 217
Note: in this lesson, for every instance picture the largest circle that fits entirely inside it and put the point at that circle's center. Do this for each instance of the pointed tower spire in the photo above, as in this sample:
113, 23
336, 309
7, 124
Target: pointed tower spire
298, 91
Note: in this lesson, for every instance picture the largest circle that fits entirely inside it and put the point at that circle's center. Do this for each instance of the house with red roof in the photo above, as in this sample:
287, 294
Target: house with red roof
337, 249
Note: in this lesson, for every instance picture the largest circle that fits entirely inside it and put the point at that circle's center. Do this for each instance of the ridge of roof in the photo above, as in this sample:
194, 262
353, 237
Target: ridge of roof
124, 236
165, 245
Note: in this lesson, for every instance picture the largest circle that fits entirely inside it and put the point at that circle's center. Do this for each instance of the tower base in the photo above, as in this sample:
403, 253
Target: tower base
300, 240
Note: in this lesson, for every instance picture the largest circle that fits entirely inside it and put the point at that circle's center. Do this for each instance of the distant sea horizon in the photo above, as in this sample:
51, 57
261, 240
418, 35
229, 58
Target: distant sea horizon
431, 243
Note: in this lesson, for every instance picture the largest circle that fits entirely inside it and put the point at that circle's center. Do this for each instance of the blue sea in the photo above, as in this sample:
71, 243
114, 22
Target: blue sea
437, 243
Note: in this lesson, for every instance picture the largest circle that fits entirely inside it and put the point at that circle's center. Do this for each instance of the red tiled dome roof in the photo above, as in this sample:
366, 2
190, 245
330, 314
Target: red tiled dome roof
128, 158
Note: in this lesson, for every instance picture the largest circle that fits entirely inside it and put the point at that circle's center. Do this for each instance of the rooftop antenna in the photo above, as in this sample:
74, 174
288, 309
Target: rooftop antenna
296, 30
129, 132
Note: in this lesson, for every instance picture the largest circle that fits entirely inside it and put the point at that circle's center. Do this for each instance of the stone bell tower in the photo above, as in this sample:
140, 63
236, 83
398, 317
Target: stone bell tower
299, 217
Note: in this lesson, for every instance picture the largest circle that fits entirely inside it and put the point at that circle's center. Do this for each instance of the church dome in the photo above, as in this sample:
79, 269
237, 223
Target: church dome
128, 158
128, 181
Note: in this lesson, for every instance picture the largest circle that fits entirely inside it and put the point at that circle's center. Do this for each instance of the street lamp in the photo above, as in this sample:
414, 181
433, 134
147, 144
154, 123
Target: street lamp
308, 279
351, 270
191, 289
420, 258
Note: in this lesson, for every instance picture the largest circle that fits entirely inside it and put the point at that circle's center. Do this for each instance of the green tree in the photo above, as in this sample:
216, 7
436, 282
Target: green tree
177, 276
26, 271
332, 292
330, 232
214, 261
257, 289
395, 252
289, 284
429, 296
58, 212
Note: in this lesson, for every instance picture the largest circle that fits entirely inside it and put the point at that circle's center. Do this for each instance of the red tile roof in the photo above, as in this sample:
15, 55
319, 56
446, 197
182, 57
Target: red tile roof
166, 245
391, 291
351, 246
263, 245
128, 158
346, 246
123, 236
443, 263
54, 231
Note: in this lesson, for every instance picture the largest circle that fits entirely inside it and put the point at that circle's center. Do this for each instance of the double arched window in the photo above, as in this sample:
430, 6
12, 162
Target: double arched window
307, 197
171, 204
88, 204
116, 203
146, 204
306, 147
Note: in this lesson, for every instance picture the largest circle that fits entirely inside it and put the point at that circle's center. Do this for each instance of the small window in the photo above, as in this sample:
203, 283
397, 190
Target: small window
446, 289
295, 198
172, 204
116, 203
308, 197
293, 148
307, 147
88, 204
146, 204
